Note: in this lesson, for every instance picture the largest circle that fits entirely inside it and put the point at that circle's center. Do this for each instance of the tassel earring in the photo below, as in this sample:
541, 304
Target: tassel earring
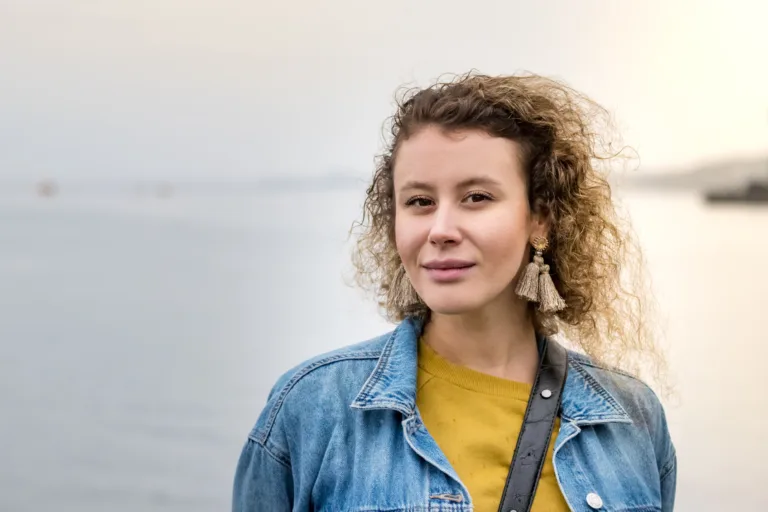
528, 286
536, 283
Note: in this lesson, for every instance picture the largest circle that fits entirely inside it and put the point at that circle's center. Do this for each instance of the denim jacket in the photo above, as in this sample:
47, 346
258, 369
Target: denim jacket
342, 432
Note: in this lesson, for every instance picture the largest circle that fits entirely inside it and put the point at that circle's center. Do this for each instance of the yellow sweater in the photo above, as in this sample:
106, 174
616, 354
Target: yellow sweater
475, 419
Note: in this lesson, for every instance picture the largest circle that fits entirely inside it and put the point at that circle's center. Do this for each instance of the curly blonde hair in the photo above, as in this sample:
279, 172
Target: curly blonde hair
595, 262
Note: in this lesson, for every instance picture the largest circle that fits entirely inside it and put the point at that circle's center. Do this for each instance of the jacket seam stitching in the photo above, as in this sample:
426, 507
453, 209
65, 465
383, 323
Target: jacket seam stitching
375, 377
600, 389
391, 404
417, 508
300, 374
668, 466
612, 369
280, 459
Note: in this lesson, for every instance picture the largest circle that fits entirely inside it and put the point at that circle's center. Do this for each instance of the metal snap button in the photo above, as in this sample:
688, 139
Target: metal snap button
594, 500
546, 393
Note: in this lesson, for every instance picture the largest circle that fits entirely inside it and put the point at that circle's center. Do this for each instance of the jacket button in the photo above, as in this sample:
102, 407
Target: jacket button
594, 500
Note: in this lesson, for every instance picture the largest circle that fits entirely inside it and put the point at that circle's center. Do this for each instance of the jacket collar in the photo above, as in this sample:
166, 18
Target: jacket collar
392, 383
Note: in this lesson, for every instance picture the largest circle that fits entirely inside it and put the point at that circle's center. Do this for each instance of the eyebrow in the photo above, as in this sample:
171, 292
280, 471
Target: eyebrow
469, 182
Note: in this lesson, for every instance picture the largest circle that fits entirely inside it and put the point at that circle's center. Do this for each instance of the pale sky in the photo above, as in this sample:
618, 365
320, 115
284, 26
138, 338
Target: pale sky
219, 88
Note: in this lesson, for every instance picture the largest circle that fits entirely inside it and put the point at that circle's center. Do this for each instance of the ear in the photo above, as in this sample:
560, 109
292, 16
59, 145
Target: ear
540, 223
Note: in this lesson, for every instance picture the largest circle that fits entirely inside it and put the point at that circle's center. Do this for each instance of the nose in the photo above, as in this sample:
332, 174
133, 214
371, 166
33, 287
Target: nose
444, 229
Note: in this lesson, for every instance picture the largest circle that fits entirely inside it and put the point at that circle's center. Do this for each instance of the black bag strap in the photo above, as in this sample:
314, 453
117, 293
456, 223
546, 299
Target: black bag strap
536, 432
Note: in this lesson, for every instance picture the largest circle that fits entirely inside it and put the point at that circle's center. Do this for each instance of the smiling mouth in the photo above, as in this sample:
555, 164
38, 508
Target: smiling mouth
448, 273
448, 264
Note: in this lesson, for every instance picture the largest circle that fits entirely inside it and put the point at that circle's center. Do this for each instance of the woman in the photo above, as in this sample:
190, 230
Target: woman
488, 229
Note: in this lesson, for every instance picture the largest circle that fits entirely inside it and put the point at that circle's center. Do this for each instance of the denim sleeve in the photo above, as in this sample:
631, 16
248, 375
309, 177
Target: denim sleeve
262, 481
668, 476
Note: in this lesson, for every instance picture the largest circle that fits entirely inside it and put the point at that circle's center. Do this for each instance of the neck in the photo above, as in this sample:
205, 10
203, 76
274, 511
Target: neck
496, 341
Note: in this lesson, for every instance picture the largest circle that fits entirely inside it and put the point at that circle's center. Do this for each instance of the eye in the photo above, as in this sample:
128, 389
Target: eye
419, 201
477, 197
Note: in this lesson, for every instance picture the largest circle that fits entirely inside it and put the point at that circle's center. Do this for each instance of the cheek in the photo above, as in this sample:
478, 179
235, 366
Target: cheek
505, 241
404, 240
411, 234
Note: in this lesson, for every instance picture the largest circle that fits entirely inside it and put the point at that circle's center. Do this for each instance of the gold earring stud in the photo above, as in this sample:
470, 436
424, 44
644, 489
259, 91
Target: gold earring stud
540, 243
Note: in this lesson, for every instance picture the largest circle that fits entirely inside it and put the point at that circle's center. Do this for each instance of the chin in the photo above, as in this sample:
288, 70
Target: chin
453, 305
463, 300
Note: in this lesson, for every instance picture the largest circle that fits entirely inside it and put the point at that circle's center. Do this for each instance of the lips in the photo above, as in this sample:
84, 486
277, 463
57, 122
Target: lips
447, 264
447, 271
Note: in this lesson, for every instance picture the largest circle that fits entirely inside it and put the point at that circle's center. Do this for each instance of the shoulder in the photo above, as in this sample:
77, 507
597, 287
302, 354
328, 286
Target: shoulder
323, 384
635, 397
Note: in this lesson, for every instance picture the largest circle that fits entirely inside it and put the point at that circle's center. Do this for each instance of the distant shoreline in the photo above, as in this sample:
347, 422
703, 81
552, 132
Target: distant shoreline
720, 175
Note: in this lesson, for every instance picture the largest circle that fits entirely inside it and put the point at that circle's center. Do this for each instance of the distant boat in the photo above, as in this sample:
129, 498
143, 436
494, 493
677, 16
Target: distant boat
753, 193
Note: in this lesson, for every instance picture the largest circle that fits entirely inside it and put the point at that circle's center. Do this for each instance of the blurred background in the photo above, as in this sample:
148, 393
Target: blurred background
178, 179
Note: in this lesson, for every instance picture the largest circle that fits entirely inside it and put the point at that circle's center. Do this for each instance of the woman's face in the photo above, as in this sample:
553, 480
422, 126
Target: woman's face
462, 220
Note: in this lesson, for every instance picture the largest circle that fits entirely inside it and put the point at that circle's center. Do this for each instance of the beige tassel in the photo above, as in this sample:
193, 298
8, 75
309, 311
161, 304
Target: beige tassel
549, 300
528, 286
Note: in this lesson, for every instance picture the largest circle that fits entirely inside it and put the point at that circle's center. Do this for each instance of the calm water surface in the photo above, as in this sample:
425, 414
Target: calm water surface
139, 337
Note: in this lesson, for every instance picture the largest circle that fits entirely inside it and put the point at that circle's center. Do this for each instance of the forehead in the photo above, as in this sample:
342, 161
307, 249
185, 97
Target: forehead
440, 156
